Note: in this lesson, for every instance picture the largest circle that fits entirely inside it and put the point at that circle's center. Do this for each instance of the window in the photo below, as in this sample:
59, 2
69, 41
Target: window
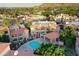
20, 38
57, 39
15, 39
20, 34
5, 32
14, 35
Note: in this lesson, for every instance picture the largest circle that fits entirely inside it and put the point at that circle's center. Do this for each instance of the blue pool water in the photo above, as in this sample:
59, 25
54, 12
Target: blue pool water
35, 45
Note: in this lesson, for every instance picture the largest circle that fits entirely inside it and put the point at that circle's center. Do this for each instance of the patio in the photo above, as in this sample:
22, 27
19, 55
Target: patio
27, 47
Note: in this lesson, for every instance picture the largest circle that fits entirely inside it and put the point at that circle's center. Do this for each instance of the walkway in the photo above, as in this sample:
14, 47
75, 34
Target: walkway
27, 47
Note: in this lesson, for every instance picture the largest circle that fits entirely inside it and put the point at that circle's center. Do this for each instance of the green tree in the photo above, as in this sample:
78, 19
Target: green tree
49, 50
6, 22
0, 38
5, 37
28, 25
49, 30
68, 35
47, 13
58, 52
69, 52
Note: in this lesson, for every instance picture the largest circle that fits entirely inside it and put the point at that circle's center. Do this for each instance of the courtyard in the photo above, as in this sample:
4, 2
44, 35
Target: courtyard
31, 45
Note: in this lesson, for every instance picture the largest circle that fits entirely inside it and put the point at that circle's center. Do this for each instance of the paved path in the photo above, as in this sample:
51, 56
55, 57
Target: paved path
27, 47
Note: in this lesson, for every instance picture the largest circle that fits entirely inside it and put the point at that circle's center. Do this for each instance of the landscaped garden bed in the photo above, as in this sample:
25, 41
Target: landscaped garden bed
53, 50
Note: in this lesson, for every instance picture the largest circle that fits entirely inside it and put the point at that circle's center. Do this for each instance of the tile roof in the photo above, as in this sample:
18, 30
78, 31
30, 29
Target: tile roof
52, 35
40, 26
1, 16
20, 53
3, 47
13, 19
65, 16
74, 26
77, 27
3, 28
68, 25
19, 31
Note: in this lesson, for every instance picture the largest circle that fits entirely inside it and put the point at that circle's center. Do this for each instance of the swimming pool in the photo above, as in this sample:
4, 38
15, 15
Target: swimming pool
34, 45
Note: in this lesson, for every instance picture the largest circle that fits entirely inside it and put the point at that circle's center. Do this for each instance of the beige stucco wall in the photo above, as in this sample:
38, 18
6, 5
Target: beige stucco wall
24, 35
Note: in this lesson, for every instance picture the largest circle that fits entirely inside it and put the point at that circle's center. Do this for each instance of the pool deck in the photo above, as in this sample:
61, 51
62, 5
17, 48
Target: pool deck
27, 47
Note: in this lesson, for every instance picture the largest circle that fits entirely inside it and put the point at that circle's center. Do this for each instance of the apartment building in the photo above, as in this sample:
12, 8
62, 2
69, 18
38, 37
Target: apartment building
53, 37
18, 32
41, 27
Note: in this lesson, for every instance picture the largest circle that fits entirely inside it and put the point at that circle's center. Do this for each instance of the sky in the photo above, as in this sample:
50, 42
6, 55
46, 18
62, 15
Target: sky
19, 4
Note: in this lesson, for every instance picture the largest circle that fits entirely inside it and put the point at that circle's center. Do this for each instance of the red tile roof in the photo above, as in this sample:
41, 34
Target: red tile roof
13, 19
3, 46
43, 26
20, 31
74, 26
20, 53
77, 27
52, 35
68, 25
3, 28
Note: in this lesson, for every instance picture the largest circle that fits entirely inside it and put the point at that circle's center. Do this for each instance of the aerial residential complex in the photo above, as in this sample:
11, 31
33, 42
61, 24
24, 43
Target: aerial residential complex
39, 33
